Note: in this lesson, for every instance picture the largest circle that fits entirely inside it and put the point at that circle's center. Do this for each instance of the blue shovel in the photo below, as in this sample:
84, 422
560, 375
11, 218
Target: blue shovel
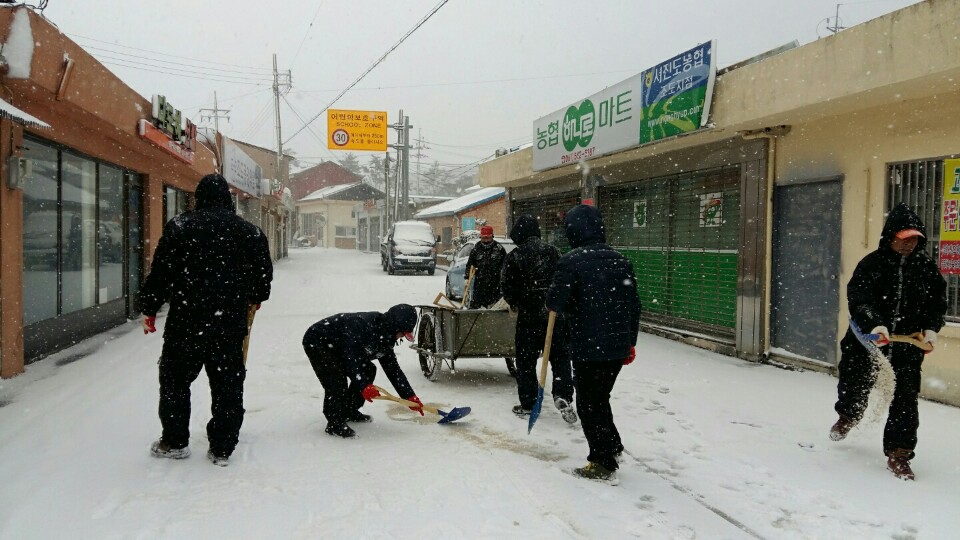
455, 413
535, 411
867, 340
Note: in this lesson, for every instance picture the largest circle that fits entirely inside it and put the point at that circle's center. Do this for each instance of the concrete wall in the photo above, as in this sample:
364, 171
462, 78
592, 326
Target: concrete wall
337, 214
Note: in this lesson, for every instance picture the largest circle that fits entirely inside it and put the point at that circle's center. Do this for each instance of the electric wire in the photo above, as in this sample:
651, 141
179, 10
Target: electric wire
175, 74
226, 72
375, 64
307, 33
168, 55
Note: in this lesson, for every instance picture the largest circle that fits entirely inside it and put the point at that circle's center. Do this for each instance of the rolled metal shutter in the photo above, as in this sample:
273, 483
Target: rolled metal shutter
550, 212
681, 233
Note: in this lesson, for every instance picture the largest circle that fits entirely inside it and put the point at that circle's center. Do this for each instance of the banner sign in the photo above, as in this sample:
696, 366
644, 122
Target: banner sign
668, 99
357, 130
950, 222
240, 170
677, 94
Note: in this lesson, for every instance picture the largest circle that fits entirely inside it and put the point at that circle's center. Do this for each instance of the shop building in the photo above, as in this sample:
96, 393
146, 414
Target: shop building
744, 232
86, 200
328, 216
483, 206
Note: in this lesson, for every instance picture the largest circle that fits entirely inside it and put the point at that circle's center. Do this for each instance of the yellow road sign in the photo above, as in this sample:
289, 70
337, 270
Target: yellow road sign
357, 130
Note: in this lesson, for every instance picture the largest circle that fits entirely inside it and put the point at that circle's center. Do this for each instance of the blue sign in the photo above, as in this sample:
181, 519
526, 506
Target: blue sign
469, 224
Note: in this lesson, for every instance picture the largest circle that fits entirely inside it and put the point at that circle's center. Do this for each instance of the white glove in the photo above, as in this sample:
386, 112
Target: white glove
884, 334
929, 336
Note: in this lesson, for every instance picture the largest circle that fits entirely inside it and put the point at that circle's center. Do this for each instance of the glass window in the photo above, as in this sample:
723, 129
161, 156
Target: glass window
175, 202
110, 235
78, 233
40, 234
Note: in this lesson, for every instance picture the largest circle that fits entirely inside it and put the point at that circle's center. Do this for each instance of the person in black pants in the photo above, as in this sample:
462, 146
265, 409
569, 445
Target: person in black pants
527, 273
341, 349
486, 258
895, 289
595, 288
211, 266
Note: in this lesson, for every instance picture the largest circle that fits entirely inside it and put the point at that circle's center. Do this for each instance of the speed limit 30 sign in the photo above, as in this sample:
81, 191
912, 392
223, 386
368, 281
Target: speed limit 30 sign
357, 130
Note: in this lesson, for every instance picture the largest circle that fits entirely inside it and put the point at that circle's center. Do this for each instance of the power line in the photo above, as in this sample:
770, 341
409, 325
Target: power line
178, 74
167, 54
375, 64
225, 100
182, 71
307, 33
206, 68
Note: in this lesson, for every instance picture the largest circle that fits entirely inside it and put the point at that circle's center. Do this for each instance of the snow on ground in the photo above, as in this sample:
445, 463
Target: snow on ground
716, 447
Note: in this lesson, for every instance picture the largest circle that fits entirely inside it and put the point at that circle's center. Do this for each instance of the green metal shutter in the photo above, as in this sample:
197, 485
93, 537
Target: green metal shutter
549, 212
681, 234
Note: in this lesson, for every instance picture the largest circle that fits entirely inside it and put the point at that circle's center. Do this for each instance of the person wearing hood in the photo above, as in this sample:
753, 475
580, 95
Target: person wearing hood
211, 266
595, 289
341, 349
896, 289
486, 258
526, 276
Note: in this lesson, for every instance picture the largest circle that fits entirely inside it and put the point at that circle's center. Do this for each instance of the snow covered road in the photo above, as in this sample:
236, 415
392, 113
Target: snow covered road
716, 447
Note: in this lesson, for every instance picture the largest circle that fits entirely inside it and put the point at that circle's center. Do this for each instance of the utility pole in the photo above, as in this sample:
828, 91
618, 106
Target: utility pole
386, 186
402, 147
836, 22
281, 82
215, 114
420, 146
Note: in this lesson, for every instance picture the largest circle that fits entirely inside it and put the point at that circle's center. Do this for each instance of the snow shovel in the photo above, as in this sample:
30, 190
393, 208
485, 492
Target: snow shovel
535, 411
251, 312
915, 339
455, 413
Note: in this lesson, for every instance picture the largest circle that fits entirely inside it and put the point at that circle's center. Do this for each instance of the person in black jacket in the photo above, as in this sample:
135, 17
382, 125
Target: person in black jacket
595, 288
527, 274
487, 258
211, 266
896, 289
341, 349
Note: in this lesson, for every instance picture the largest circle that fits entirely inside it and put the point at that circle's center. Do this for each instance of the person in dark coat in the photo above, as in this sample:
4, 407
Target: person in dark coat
896, 289
487, 258
595, 289
341, 349
211, 266
527, 274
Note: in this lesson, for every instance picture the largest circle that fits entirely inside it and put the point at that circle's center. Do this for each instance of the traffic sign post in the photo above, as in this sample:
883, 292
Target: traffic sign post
357, 130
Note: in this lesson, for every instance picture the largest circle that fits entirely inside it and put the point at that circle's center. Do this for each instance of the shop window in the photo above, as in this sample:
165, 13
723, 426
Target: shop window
175, 201
134, 240
78, 233
40, 234
110, 234
919, 185
345, 231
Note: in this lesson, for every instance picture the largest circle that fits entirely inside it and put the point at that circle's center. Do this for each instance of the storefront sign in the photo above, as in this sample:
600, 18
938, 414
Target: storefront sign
357, 130
240, 170
169, 130
669, 99
677, 94
950, 224
468, 224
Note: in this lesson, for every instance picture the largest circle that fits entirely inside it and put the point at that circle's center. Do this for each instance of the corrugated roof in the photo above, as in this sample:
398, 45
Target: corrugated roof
460, 204
328, 191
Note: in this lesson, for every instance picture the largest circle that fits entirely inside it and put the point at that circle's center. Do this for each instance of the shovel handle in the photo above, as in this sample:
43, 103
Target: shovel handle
915, 339
388, 396
551, 320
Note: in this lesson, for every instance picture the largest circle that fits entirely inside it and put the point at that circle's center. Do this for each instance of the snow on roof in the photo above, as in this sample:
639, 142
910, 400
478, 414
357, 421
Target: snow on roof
18, 50
9, 111
460, 204
328, 191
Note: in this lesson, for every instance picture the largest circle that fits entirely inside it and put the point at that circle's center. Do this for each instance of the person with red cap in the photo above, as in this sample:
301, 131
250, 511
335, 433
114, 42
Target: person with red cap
341, 349
486, 259
895, 289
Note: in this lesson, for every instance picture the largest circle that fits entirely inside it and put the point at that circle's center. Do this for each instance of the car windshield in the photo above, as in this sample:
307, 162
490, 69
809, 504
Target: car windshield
413, 233
465, 250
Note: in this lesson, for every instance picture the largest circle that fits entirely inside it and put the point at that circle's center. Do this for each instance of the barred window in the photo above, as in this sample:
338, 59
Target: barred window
919, 185
346, 231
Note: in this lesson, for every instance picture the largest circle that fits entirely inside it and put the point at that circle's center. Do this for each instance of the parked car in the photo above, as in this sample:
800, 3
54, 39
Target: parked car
409, 245
458, 266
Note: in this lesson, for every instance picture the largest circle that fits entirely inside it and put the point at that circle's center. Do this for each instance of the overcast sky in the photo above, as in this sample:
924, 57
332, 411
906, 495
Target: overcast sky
473, 78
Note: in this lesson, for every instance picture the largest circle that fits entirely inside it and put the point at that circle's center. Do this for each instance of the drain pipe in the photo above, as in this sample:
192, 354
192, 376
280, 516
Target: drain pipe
770, 134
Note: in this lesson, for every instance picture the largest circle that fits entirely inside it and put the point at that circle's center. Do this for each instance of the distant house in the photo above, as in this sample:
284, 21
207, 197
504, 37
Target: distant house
328, 216
326, 174
479, 205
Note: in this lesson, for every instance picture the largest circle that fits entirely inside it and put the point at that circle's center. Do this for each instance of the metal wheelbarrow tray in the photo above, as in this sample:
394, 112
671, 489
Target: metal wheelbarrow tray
445, 335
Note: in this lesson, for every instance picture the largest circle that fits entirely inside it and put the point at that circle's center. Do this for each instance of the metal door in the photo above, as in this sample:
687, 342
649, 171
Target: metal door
805, 290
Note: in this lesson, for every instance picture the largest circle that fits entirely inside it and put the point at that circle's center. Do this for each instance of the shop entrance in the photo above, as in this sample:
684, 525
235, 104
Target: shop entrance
805, 289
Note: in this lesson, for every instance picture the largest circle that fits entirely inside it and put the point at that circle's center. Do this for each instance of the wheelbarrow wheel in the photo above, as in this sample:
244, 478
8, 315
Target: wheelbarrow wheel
427, 340
512, 367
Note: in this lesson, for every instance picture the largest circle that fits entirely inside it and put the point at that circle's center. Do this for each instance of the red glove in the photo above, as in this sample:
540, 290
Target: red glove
149, 324
416, 400
370, 392
629, 359
258, 306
